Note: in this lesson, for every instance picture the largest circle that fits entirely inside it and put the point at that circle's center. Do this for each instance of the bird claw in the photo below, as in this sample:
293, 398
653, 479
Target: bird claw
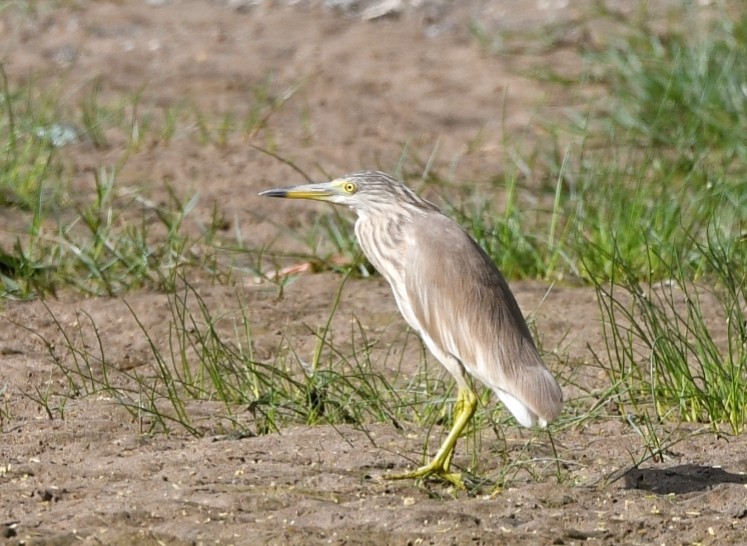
431, 471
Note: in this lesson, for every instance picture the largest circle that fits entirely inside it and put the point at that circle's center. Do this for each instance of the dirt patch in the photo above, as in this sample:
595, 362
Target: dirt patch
416, 84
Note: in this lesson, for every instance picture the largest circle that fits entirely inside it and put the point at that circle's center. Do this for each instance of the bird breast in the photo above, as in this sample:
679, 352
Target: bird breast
383, 243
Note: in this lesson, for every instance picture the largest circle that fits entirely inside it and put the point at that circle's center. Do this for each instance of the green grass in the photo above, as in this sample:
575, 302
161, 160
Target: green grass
682, 93
210, 359
668, 224
110, 246
665, 352
517, 253
203, 378
114, 239
649, 219
28, 143
651, 204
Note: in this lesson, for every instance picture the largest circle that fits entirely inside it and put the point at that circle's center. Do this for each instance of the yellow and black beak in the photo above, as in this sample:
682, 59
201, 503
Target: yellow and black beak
318, 192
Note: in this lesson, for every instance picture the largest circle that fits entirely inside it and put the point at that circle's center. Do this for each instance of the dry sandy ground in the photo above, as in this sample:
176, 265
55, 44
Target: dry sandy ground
416, 80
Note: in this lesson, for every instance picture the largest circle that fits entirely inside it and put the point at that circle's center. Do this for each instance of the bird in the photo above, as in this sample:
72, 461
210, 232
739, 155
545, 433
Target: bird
452, 294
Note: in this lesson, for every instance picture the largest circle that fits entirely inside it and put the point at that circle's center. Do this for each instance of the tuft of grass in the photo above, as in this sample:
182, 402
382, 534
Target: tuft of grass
199, 364
652, 208
682, 93
517, 251
93, 116
666, 353
664, 151
29, 140
660, 208
202, 377
647, 218
115, 243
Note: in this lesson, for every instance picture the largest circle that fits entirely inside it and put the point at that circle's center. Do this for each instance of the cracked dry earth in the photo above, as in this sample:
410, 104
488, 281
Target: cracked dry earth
367, 82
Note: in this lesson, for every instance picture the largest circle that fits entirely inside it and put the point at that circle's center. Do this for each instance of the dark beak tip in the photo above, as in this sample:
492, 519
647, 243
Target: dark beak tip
272, 193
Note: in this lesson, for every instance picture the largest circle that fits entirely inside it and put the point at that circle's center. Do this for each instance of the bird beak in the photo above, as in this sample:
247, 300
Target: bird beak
318, 192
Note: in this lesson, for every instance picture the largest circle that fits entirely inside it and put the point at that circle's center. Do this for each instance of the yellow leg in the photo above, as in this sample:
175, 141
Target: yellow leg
458, 409
463, 410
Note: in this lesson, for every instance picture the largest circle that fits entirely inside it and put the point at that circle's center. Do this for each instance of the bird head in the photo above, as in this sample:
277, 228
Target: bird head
342, 191
363, 192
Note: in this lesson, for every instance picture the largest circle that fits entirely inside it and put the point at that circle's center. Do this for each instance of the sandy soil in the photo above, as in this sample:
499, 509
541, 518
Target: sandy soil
366, 87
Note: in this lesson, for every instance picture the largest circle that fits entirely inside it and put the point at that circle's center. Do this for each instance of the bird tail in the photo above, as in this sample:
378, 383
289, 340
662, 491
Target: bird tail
540, 408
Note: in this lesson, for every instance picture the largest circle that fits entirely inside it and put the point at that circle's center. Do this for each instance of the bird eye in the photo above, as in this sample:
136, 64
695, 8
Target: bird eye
349, 187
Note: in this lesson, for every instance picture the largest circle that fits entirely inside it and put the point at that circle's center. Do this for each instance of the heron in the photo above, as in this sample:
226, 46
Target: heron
452, 294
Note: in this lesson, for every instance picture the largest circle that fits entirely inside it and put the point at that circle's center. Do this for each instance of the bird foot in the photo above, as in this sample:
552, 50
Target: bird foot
435, 470
439, 466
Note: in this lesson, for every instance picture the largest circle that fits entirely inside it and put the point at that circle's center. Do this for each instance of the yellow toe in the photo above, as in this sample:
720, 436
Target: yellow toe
432, 470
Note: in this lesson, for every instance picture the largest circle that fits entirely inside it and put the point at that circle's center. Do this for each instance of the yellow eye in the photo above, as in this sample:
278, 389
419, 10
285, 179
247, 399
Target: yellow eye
349, 187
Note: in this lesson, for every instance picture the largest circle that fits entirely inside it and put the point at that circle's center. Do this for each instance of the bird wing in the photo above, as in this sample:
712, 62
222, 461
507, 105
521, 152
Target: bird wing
461, 301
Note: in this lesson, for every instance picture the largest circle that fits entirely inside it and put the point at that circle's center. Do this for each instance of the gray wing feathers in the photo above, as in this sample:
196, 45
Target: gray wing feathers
462, 302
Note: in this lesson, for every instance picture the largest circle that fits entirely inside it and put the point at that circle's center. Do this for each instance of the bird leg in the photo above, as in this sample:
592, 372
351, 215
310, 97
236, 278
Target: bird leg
459, 407
463, 410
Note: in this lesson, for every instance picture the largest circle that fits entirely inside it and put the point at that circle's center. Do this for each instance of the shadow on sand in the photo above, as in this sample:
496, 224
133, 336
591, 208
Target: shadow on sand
680, 479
